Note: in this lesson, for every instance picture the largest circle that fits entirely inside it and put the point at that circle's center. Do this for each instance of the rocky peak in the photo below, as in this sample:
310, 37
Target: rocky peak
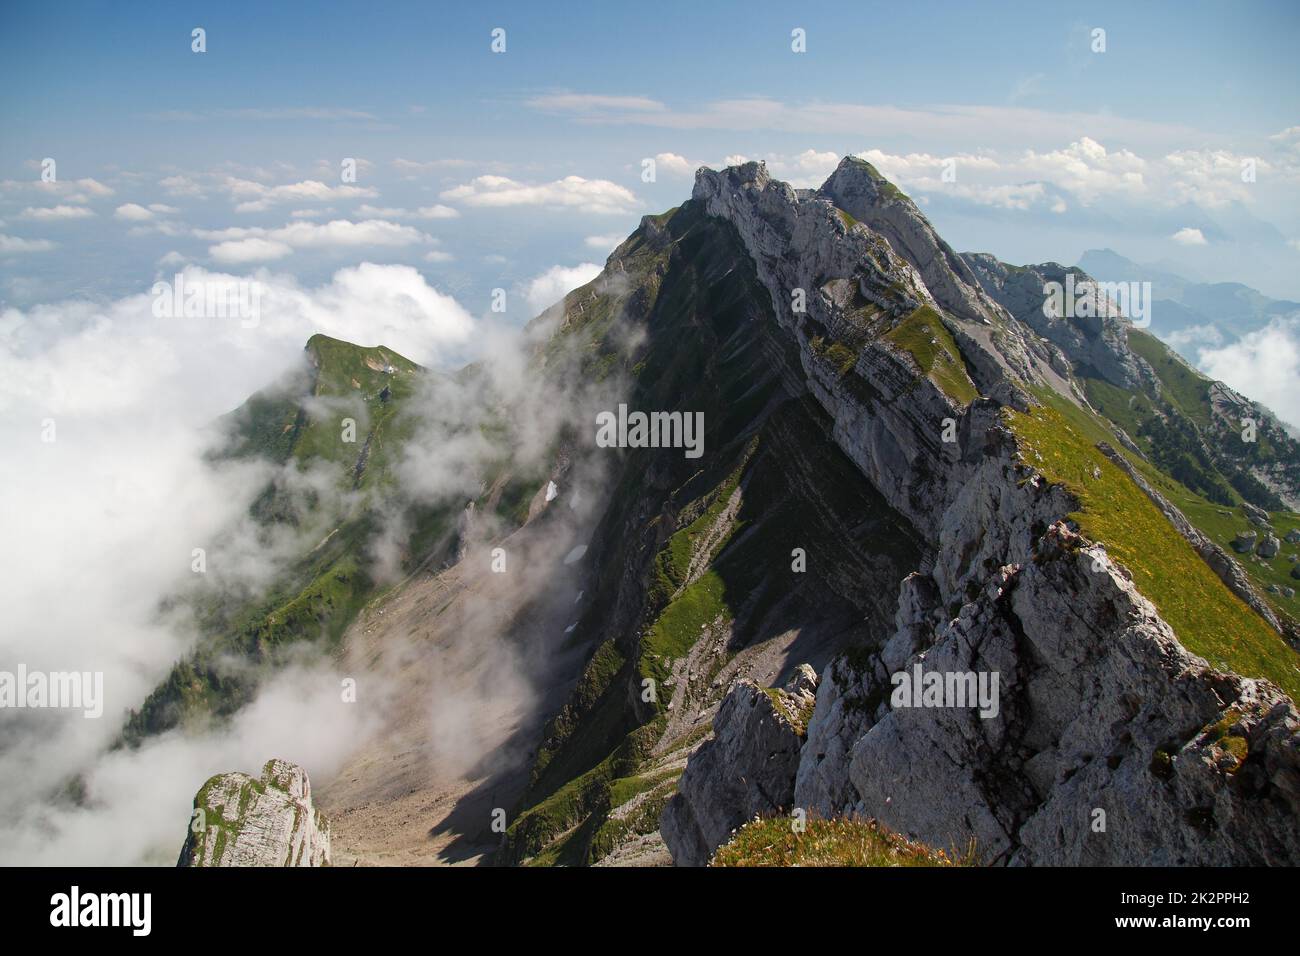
861, 191
242, 821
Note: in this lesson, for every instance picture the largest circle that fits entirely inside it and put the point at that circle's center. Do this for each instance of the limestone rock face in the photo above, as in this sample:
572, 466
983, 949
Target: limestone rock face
257, 822
1100, 709
1098, 339
858, 189
747, 769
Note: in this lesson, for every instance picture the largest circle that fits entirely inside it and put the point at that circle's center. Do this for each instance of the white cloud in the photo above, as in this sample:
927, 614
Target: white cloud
1264, 365
438, 256
16, 244
133, 212
1195, 336
344, 233
1187, 236
1087, 169
118, 501
48, 213
67, 190
606, 243
438, 211
258, 197
380, 212
804, 170
556, 282
675, 165
597, 196
241, 251
1209, 178
595, 103
181, 186
236, 245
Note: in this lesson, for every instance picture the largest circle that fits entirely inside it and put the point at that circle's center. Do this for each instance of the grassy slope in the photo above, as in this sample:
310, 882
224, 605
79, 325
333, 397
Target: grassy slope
923, 335
318, 596
1060, 440
837, 842
1197, 487
1179, 432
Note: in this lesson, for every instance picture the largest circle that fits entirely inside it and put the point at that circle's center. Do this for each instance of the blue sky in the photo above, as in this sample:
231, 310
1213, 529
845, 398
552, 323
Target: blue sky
1048, 135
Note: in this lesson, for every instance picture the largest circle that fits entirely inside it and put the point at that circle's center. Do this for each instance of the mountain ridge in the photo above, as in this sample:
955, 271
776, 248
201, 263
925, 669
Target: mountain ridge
883, 410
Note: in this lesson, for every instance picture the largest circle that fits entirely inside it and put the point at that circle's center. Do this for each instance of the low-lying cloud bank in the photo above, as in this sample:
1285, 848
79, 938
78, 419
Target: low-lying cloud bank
104, 410
110, 487
1263, 365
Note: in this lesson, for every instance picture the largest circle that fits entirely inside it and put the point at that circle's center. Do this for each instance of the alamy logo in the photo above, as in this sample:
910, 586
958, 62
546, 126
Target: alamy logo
946, 689
103, 909
653, 430
1088, 299
208, 299
58, 689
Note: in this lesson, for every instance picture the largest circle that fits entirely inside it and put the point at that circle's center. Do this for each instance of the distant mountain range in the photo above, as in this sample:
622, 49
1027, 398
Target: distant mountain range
1189, 315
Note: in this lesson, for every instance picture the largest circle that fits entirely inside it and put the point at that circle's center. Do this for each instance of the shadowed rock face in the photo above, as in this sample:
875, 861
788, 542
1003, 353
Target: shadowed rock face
257, 822
746, 770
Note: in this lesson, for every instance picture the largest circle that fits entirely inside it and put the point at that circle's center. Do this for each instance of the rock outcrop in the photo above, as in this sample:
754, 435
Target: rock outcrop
858, 189
746, 770
242, 821
1111, 745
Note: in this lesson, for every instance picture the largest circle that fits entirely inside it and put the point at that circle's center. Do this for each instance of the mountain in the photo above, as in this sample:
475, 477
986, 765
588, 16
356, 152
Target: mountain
1231, 309
909, 470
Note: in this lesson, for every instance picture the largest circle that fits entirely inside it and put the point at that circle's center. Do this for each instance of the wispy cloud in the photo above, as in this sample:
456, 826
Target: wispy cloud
239, 245
54, 213
271, 114
261, 197
956, 122
599, 196
589, 104
16, 244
